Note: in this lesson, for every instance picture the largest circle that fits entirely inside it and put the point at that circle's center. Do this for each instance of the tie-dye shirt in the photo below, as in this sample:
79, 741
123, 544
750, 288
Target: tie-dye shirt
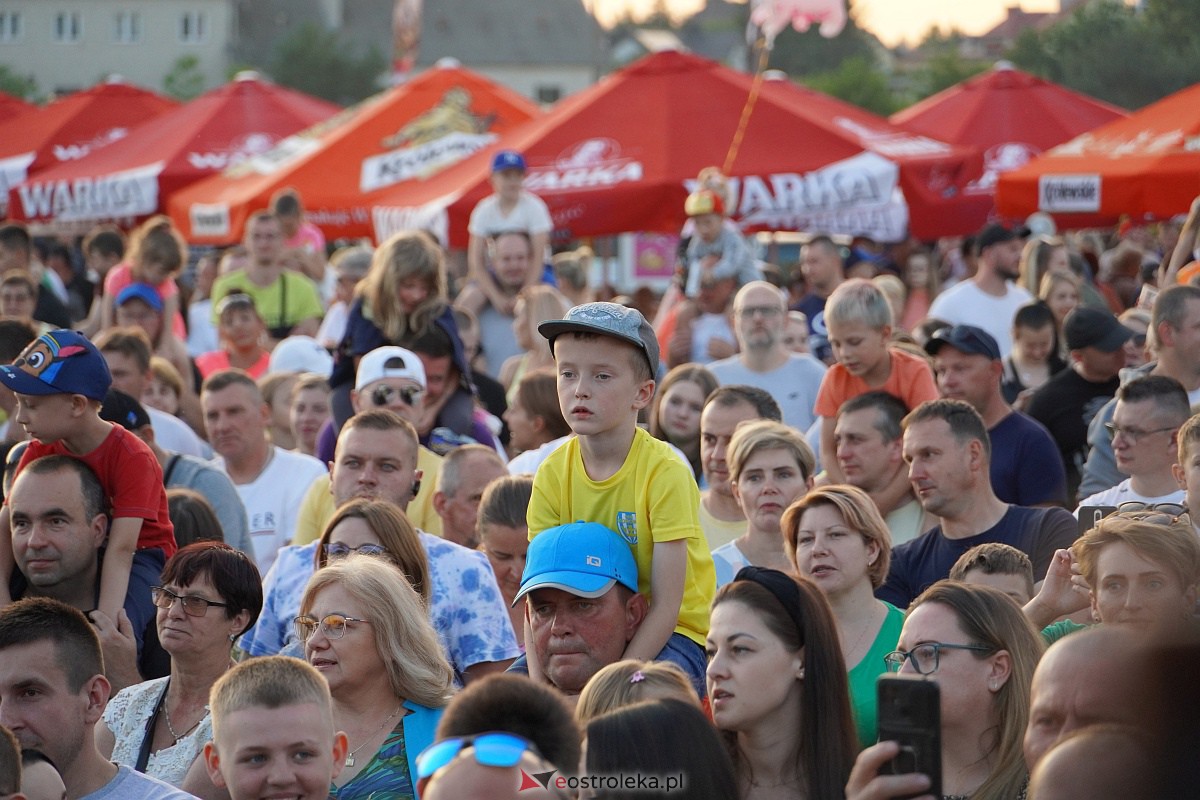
465, 605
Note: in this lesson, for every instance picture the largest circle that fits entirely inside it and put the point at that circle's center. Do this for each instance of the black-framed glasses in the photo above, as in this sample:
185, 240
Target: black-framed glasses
925, 657
1133, 435
334, 625
339, 550
384, 395
193, 605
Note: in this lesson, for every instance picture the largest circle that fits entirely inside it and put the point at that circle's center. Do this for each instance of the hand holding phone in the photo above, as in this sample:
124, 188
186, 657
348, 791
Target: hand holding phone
910, 714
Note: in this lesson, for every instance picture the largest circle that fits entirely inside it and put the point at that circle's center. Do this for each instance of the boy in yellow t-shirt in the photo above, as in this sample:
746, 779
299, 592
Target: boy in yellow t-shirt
614, 473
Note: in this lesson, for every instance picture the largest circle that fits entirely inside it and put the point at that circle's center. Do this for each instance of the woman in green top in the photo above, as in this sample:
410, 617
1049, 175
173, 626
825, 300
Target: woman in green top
836, 538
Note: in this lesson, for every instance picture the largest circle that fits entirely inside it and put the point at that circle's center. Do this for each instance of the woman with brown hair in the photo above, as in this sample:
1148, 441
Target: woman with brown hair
777, 687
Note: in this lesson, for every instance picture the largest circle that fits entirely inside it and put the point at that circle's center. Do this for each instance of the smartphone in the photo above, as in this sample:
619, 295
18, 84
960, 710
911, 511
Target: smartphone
910, 713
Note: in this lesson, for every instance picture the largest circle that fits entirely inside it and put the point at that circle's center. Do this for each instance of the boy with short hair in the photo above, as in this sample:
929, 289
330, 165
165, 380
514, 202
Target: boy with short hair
273, 731
60, 382
998, 565
859, 320
614, 473
716, 249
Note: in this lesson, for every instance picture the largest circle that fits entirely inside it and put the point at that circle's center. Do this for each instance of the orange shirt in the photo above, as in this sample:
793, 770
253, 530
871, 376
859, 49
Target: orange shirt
910, 379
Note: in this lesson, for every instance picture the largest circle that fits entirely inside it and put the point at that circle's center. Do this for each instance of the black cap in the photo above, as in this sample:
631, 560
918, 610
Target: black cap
121, 409
966, 338
997, 234
1091, 327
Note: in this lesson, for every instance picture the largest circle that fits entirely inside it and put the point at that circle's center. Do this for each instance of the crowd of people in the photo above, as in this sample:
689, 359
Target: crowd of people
326, 520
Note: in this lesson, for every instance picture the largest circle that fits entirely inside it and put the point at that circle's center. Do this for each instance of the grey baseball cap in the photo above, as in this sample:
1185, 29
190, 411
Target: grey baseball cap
608, 319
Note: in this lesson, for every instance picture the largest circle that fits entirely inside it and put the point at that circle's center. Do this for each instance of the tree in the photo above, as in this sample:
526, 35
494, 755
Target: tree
22, 86
859, 81
943, 70
184, 81
324, 64
810, 53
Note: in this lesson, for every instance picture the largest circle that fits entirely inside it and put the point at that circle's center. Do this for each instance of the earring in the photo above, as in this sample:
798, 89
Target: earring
800, 672
233, 637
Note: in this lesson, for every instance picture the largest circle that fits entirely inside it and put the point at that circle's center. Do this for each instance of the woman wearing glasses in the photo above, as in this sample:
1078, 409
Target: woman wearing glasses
210, 593
777, 685
369, 635
836, 538
975, 642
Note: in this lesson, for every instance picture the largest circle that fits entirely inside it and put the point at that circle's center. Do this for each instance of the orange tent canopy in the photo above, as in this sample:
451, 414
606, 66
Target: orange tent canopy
403, 134
1008, 114
73, 126
129, 179
1146, 166
620, 155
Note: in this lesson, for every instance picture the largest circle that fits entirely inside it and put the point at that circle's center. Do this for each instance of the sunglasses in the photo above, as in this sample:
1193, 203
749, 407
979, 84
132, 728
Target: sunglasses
492, 749
384, 395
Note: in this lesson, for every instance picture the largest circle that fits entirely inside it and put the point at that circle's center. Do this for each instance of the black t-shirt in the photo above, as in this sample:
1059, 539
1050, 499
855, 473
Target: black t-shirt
922, 562
1065, 404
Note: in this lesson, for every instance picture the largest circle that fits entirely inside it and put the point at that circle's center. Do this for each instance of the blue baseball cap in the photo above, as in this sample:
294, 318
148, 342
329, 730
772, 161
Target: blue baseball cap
610, 319
582, 558
508, 159
59, 362
140, 291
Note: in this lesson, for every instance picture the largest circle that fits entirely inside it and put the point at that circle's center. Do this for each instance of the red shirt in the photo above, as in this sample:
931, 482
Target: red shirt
132, 479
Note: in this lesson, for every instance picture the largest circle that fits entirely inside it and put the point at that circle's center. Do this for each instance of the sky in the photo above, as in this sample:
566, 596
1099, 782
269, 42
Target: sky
893, 21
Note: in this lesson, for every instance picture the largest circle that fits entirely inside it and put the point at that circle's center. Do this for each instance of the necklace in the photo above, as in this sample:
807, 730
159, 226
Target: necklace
350, 756
171, 728
854, 647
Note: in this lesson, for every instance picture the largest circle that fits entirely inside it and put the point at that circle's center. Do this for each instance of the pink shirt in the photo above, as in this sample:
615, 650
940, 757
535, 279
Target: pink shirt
121, 276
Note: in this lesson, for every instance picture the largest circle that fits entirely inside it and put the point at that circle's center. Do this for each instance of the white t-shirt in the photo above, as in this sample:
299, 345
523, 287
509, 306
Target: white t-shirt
966, 304
273, 501
1123, 493
706, 327
202, 334
173, 434
794, 384
530, 214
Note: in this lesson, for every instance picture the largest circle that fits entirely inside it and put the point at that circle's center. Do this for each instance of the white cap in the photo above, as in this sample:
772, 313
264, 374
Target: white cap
300, 354
389, 362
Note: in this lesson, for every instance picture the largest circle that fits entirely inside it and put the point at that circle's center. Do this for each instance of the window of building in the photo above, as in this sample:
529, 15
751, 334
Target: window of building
68, 26
10, 26
548, 94
193, 27
128, 27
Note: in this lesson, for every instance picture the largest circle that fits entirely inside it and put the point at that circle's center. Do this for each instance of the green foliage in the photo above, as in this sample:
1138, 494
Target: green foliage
324, 64
859, 81
943, 70
22, 86
1114, 52
810, 53
184, 81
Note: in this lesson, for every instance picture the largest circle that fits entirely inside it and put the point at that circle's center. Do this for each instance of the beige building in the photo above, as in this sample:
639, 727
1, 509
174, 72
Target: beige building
72, 44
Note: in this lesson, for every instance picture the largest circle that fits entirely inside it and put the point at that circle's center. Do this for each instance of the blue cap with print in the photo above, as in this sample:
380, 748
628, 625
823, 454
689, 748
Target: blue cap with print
59, 362
610, 319
508, 159
582, 558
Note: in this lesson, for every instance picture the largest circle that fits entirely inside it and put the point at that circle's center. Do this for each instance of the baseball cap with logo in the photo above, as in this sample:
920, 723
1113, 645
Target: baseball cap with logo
609, 319
583, 558
508, 159
389, 362
140, 291
59, 362
964, 338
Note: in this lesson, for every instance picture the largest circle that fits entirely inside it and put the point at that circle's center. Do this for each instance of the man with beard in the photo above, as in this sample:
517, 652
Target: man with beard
990, 299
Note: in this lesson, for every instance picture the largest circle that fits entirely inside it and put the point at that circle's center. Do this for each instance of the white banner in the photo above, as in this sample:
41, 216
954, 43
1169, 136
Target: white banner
859, 196
209, 219
1069, 193
419, 160
131, 193
390, 220
13, 170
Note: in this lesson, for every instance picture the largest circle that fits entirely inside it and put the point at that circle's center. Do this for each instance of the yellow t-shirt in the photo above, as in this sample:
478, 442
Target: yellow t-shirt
287, 302
317, 508
652, 498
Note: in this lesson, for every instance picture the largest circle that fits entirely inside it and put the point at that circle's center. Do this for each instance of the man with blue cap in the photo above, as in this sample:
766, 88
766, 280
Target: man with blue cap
581, 585
512, 209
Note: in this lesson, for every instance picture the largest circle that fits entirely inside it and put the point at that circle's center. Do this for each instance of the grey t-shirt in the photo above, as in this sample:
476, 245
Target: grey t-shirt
189, 472
794, 385
130, 785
